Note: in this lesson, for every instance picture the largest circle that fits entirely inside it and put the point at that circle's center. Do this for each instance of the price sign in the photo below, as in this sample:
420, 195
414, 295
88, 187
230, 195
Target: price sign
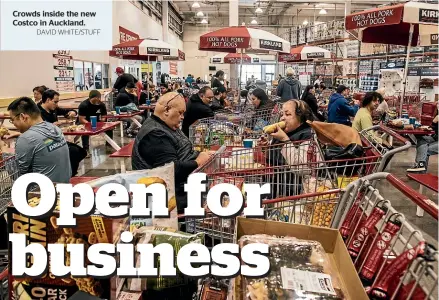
63, 52
63, 71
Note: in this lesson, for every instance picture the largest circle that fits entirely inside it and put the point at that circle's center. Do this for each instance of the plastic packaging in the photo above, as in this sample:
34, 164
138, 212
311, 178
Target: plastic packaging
300, 269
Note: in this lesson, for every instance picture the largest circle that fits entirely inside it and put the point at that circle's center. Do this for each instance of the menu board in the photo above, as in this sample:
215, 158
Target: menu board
173, 68
63, 71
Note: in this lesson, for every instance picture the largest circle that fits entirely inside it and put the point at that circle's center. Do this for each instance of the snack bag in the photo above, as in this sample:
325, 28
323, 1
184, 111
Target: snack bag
163, 175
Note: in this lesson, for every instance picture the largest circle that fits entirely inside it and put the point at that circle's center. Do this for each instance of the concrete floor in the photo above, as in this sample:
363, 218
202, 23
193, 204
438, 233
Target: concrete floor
101, 165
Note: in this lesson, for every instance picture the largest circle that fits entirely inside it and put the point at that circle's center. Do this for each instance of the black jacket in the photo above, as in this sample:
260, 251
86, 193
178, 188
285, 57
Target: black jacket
289, 184
195, 110
156, 145
122, 81
311, 100
216, 83
52, 116
301, 133
124, 99
217, 104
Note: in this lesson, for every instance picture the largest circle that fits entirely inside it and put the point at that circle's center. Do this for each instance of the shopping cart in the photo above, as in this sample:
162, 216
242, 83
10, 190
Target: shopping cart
392, 258
295, 171
3, 274
9, 172
229, 128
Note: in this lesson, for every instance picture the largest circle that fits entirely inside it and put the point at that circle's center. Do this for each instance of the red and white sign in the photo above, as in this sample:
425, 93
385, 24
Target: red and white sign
126, 35
181, 55
240, 37
173, 68
376, 17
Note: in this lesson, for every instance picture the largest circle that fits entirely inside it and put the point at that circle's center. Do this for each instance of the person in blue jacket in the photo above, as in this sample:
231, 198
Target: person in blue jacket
339, 109
189, 79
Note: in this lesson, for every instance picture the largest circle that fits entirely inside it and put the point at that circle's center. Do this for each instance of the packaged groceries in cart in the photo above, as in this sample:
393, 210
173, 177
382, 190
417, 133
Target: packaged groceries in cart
230, 129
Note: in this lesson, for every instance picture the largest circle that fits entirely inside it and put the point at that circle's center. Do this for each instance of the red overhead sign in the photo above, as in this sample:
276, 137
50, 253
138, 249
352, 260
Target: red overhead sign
375, 17
126, 35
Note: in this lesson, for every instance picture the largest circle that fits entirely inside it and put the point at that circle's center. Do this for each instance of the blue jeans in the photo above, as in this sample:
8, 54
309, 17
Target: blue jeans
426, 146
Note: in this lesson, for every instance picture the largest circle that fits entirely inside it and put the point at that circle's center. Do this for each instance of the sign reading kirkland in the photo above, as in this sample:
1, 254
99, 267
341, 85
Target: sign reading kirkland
428, 15
315, 55
162, 51
272, 45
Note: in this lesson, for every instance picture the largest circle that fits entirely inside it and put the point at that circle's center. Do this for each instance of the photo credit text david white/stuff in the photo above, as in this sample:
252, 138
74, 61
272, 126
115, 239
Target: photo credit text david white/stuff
68, 31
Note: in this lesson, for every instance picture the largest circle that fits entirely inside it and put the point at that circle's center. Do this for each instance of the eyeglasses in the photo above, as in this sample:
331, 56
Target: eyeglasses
167, 103
13, 118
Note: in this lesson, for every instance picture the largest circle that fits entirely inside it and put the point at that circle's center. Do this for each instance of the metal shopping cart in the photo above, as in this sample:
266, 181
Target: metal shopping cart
229, 128
295, 171
392, 258
8, 174
3, 274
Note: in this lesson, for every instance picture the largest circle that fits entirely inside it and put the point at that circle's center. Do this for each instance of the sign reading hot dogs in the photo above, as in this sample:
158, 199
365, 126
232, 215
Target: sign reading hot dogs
378, 17
212, 42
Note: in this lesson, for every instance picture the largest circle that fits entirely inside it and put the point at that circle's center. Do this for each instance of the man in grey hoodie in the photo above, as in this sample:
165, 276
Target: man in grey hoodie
41, 147
289, 88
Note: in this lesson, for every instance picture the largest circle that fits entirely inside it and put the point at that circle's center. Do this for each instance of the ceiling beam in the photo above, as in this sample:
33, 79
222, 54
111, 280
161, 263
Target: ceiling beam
282, 12
270, 4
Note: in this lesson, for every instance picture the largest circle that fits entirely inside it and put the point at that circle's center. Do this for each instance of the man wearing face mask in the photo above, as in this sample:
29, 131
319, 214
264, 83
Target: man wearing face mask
160, 141
198, 107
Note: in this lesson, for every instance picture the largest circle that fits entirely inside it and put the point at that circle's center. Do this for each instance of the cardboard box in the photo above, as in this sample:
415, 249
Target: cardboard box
330, 239
90, 229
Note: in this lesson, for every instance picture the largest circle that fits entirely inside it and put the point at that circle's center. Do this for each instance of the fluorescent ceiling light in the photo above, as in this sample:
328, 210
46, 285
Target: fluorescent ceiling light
305, 22
323, 12
196, 5
200, 14
254, 22
259, 10
204, 21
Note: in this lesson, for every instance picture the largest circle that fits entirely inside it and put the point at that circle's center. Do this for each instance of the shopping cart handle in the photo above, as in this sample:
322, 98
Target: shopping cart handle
4, 274
393, 133
420, 200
